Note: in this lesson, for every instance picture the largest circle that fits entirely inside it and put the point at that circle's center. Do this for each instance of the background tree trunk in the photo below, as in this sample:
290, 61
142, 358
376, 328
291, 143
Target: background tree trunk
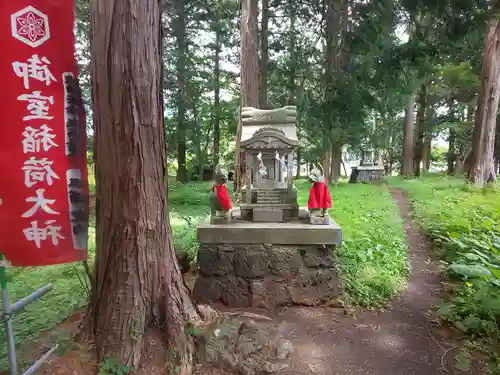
299, 162
421, 129
138, 283
407, 164
179, 25
336, 162
451, 156
426, 154
264, 54
333, 26
216, 108
481, 168
249, 68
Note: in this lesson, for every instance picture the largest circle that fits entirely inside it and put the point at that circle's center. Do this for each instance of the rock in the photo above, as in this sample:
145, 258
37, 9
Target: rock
235, 291
318, 257
214, 262
284, 349
284, 260
251, 264
266, 275
183, 260
207, 312
206, 289
314, 287
268, 293
244, 347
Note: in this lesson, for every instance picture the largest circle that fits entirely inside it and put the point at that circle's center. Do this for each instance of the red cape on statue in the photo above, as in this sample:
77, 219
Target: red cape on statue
223, 195
319, 196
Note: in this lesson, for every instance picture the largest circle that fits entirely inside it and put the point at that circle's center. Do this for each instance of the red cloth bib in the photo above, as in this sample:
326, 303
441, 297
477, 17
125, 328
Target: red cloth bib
223, 195
319, 196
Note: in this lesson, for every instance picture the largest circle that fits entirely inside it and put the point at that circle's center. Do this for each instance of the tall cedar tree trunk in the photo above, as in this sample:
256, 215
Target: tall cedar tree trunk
264, 54
342, 62
452, 152
331, 63
216, 107
292, 72
481, 165
427, 147
426, 154
461, 159
471, 109
179, 28
407, 164
451, 155
249, 67
138, 283
336, 52
470, 121
421, 130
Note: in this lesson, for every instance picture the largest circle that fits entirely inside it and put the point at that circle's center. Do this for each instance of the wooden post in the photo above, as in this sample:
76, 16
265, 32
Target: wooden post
256, 172
248, 166
290, 175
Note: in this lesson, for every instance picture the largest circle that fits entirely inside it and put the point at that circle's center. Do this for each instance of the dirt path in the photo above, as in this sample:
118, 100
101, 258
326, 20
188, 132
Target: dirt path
394, 342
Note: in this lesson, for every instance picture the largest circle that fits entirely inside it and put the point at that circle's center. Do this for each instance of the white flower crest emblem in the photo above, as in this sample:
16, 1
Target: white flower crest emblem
31, 26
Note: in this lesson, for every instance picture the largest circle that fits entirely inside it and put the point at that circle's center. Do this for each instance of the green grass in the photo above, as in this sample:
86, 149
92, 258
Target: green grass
464, 223
373, 258
67, 295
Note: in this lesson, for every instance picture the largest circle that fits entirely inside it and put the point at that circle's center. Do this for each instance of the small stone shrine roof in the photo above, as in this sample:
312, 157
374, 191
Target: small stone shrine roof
269, 128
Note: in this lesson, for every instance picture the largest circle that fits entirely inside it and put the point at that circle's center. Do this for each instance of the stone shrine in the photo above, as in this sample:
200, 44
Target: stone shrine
367, 171
268, 136
268, 253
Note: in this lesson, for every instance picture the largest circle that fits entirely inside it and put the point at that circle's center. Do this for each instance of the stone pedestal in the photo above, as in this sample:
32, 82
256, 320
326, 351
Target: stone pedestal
267, 265
320, 220
267, 215
221, 217
367, 174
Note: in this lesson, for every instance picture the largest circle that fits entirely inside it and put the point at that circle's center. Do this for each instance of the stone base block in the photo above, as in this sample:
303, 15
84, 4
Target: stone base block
266, 276
291, 233
220, 219
268, 215
320, 220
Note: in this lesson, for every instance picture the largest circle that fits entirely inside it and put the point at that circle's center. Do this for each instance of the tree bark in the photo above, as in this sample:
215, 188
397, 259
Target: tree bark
216, 108
292, 51
179, 27
335, 166
333, 21
426, 154
407, 164
421, 129
299, 161
138, 283
264, 54
451, 156
249, 67
481, 165
326, 162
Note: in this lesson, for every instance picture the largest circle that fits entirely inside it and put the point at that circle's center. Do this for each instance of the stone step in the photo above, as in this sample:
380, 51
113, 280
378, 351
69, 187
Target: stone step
268, 196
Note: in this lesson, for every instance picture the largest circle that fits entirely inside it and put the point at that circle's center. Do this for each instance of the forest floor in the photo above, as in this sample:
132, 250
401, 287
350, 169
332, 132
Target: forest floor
402, 339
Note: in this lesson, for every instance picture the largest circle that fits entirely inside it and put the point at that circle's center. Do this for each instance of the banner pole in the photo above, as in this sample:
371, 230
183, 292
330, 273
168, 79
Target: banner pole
7, 315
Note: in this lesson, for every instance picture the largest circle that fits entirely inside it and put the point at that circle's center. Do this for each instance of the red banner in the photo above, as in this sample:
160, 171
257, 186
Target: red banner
43, 188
